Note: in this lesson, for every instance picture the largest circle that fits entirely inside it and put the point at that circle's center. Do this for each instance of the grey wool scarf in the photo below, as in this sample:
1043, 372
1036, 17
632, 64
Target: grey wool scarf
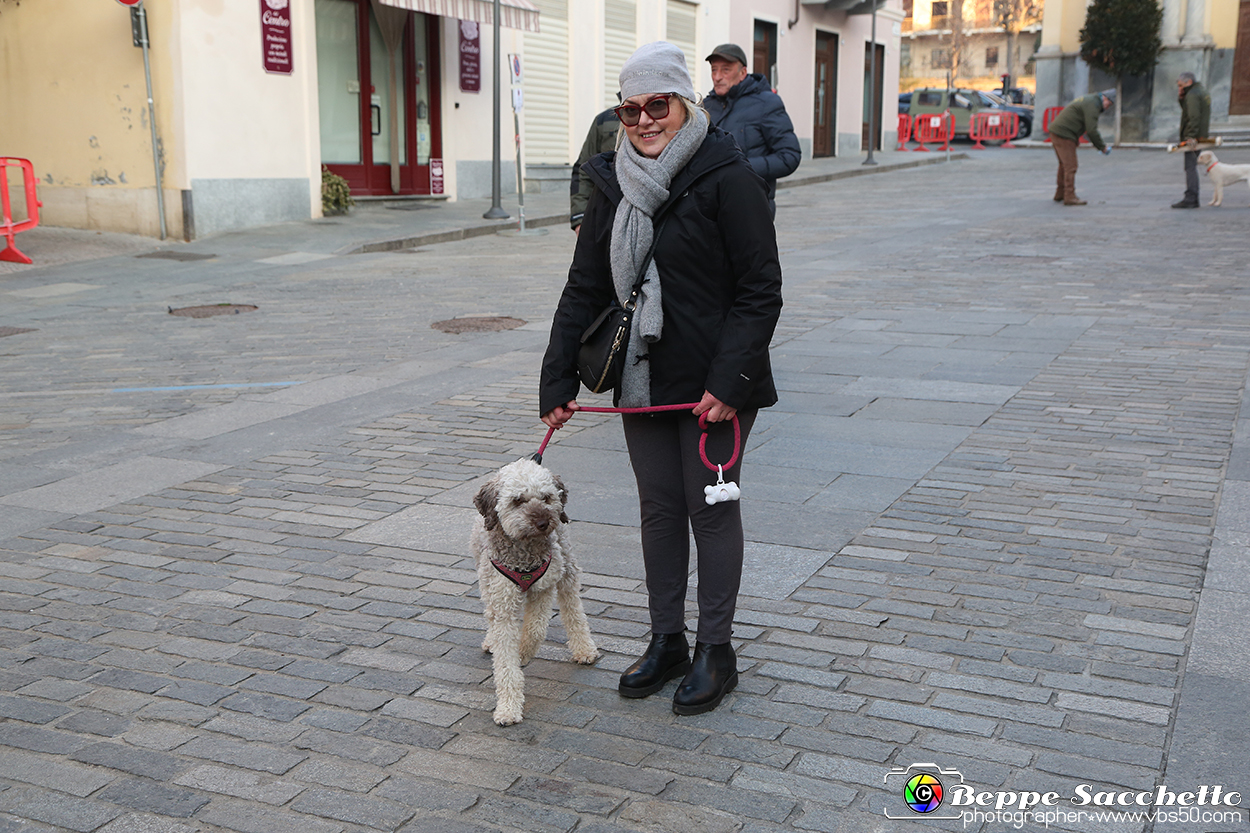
644, 184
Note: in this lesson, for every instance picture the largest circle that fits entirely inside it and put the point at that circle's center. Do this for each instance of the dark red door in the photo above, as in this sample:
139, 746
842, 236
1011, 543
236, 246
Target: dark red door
378, 94
1239, 98
823, 124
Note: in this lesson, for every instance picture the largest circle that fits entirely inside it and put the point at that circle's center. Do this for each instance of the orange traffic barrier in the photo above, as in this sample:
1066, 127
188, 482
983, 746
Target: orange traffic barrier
934, 129
8, 228
993, 127
904, 130
1048, 116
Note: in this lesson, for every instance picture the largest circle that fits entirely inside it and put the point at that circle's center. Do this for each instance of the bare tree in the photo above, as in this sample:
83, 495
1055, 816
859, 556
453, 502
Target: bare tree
1011, 16
959, 38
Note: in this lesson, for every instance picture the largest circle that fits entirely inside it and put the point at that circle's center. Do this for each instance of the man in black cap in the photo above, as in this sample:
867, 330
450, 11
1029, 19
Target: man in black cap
744, 105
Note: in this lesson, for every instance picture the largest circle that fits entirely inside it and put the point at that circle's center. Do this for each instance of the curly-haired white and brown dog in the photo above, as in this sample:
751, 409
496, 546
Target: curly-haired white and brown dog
524, 564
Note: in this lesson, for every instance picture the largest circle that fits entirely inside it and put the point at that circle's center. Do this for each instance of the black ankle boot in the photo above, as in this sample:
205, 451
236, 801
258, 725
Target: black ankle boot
667, 656
713, 674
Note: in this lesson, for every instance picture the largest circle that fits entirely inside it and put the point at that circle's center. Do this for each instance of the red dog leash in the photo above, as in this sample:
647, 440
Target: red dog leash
703, 423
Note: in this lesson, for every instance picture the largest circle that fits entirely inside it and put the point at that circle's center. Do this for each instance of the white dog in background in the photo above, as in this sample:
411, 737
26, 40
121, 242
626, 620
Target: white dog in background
1221, 174
524, 564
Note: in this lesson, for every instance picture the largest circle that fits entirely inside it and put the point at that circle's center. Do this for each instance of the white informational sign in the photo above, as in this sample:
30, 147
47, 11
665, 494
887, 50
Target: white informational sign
517, 102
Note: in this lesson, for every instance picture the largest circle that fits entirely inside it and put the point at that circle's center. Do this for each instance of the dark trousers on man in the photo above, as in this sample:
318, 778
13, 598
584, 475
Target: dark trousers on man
1191, 176
1065, 180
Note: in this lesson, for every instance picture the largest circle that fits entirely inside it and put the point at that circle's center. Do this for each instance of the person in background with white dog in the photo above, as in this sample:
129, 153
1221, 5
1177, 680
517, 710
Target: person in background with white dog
1079, 117
683, 183
1195, 125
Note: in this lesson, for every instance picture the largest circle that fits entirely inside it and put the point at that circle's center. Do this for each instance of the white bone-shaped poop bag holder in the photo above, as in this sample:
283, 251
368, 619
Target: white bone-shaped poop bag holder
721, 492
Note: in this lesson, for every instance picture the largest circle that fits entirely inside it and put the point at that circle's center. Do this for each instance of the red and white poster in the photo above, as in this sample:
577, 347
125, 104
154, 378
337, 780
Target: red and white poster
470, 57
436, 176
275, 35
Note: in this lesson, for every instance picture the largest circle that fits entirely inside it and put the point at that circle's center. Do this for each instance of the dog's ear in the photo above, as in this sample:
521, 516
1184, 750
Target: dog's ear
485, 501
564, 497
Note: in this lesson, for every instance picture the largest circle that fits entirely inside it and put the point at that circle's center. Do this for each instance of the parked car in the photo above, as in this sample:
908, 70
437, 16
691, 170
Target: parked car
963, 104
1017, 95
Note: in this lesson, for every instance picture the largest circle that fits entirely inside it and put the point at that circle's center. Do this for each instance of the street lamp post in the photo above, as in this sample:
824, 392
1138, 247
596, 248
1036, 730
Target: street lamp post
872, 88
496, 211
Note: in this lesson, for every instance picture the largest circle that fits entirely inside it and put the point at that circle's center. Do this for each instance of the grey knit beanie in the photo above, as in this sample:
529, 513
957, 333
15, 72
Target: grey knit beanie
657, 67
1109, 95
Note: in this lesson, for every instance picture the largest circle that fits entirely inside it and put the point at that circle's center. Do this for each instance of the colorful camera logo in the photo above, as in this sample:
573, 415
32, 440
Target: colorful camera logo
923, 793
921, 788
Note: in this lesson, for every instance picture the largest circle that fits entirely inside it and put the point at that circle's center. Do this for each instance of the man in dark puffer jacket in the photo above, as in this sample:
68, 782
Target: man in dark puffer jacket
745, 106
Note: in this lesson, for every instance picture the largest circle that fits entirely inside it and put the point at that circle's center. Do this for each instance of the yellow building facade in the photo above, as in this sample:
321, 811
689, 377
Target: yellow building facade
1210, 38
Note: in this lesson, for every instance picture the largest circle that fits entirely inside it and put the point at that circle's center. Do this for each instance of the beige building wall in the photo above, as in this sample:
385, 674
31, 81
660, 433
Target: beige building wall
250, 149
75, 103
467, 121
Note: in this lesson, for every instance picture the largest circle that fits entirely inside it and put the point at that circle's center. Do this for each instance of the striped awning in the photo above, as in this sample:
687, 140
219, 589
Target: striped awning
514, 14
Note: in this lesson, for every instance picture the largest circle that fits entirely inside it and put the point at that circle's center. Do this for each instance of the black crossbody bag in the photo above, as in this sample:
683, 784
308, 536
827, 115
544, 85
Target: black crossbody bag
601, 356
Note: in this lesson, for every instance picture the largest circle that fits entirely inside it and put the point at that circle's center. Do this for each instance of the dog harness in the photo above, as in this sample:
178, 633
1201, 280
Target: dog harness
525, 579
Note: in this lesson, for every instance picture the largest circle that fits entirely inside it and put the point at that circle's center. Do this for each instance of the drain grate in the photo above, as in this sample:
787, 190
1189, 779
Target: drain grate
478, 324
170, 254
209, 310
14, 331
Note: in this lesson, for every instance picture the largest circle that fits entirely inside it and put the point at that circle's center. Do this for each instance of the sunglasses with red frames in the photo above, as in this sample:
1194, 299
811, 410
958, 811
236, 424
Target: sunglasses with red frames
657, 108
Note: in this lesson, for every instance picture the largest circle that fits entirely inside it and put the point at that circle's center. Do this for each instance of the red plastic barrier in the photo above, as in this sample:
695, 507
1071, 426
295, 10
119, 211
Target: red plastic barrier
1048, 116
931, 128
991, 126
904, 130
8, 228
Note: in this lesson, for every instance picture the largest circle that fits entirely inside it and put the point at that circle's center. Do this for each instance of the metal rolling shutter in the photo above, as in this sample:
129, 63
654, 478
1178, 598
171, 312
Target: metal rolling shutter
620, 39
545, 65
680, 30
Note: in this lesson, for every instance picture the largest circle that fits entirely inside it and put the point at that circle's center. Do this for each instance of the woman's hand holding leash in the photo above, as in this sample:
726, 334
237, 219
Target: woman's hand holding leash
716, 410
560, 414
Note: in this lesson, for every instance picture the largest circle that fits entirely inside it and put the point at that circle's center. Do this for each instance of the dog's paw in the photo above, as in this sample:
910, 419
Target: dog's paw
586, 657
506, 716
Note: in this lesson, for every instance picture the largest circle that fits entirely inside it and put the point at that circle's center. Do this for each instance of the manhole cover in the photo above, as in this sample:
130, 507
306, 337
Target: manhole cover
169, 254
209, 310
478, 324
13, 331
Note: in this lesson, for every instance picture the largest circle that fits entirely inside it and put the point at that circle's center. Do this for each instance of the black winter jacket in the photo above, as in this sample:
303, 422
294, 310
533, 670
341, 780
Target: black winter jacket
757, 118
717, 258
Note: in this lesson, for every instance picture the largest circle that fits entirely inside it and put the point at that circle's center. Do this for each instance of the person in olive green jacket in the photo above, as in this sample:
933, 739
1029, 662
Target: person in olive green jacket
1195, 127
1079, 117
599, 139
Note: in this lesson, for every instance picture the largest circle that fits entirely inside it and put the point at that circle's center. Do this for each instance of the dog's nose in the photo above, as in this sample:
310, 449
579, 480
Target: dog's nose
542, 524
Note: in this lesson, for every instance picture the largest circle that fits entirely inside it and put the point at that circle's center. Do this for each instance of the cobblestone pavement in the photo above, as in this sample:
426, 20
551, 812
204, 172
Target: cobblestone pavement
997, 523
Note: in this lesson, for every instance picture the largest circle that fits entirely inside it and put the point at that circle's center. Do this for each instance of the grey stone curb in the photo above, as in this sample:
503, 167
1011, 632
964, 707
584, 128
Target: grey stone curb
450, 235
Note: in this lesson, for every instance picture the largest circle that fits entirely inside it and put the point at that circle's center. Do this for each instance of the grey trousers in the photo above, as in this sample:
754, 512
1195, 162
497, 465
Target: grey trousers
1191, 176
664, 453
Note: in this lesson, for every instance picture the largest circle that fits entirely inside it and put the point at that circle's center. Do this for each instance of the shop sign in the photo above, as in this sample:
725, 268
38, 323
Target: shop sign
275, 33
436, 176
470, 57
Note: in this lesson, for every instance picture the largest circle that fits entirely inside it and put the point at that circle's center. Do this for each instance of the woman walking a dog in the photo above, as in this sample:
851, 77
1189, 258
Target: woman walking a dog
708, 308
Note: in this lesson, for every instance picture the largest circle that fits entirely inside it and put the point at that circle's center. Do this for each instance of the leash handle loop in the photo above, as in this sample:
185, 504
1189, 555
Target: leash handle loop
654, 409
